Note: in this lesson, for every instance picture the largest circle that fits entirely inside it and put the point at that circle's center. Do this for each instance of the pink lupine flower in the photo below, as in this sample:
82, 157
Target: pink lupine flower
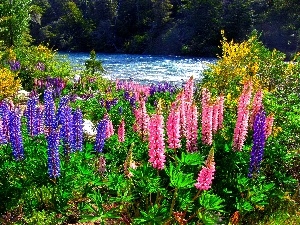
121, 132
192, 129
215, 117
221, 111
142, 120
182, 110
256, 106
269, 125
173, 128
207, 113
206, 174
189, 89
156, 142
109, 128
241, 127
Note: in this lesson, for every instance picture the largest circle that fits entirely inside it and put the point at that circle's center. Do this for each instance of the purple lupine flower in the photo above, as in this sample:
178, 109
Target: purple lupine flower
14, 65
53, 154
4, 115
40, 66
78, 130
31, 115
15, 135
259, 140
62, 104
101, 135
66, 132
49, 111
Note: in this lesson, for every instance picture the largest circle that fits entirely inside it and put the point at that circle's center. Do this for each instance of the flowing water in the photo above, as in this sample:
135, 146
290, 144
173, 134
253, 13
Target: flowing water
146, 68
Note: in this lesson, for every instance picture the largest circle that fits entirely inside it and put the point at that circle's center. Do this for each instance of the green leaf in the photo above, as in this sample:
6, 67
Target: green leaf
211, 202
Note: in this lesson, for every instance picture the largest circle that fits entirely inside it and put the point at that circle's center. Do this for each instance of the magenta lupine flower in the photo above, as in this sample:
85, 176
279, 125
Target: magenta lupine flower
221, 112
241, 127
4, 116
173, 128
53, 154
207, 113
192, 129
15, 135
206, 174
259, 140
121, 131
256, 106
100, 136
215, 117
78, 130
110, 128
156, 142
269, 125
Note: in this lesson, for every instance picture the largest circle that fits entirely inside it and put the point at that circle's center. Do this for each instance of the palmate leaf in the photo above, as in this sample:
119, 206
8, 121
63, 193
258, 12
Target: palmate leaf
178, 178
211, 202
191, 159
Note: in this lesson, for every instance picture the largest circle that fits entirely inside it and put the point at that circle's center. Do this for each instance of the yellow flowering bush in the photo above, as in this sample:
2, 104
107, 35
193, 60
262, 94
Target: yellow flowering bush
9, 84
241, 62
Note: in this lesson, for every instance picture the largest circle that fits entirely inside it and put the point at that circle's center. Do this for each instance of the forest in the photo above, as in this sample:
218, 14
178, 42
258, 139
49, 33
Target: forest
178, 27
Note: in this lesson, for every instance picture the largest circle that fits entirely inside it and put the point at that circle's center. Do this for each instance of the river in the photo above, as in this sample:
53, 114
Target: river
146, 68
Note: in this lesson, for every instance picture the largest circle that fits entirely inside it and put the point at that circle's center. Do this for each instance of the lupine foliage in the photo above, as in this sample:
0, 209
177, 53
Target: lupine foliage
176, 164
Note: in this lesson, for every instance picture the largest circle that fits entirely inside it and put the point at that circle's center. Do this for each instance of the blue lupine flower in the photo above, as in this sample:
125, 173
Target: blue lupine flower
259, 140
4, 115
40, 120
63, 103
15, 135
66, 132
101, 135
31, 115
78, 130
14, 65
53, 154
49, 112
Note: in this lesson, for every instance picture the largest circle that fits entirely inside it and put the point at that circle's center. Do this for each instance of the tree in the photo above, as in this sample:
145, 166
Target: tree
14, 22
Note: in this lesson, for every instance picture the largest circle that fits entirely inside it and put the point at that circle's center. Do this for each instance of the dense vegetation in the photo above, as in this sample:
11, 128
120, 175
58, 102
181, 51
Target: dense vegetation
144, 26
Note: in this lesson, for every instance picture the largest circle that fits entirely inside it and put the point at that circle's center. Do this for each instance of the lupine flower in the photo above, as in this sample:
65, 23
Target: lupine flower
121, 131
182, 110
32, 117
49, 111
207, 113
221, 111
66, 132
101, 135
192, 129
189, 89
53, 154
15, 135
142, 120
40, 120
173, 128
215, 117
62, 104
256, 106
3, 139
40, 66
269, 125
4, 115
14, 65
206, 174
102, 165
156, 142
259, 140
110, 128
241, 127
78, 130
129, 163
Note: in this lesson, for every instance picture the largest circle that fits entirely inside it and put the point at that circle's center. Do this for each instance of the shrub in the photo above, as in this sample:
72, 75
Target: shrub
9, 84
